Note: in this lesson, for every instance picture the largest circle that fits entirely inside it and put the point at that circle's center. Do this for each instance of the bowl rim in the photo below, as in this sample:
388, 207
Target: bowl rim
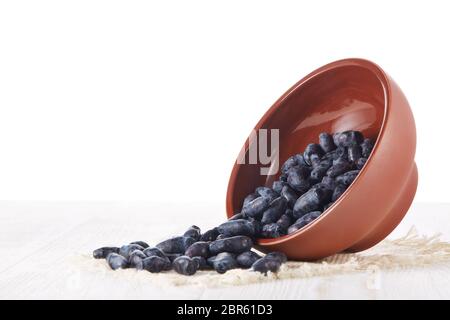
382, 77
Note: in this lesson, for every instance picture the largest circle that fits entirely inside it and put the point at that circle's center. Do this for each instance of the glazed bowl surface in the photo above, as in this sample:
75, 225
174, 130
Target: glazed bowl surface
350, 94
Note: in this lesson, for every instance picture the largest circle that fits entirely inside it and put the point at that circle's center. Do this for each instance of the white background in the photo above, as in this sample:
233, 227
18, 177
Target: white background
140, 100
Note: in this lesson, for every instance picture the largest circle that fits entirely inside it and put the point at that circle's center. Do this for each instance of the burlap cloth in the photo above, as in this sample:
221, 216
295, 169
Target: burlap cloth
410, 251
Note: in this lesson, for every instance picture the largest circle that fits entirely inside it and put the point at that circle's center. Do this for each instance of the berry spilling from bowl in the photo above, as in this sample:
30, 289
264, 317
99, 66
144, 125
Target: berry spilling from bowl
309, 184
188, 253
285, 218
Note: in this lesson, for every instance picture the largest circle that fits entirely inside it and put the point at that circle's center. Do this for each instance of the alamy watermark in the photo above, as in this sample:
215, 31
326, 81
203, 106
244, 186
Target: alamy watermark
262, 151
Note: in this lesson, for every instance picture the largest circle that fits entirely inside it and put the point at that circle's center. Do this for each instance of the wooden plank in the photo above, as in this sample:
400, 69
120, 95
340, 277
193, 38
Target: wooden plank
40, 242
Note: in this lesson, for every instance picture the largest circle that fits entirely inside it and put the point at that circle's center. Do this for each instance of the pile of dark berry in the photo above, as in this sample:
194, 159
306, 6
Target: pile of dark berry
216, 249
309, 183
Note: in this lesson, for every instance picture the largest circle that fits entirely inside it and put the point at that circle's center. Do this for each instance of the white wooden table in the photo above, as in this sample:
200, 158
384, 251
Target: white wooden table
37, 241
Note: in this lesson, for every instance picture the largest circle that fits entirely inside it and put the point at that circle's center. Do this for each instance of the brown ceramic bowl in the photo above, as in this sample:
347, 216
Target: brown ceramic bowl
350, 94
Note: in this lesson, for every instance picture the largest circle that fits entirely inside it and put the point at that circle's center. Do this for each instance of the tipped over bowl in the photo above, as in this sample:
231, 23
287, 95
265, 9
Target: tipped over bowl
350, 94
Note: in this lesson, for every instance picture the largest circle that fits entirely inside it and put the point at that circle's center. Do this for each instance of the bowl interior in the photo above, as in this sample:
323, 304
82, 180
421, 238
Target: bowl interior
348, 97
